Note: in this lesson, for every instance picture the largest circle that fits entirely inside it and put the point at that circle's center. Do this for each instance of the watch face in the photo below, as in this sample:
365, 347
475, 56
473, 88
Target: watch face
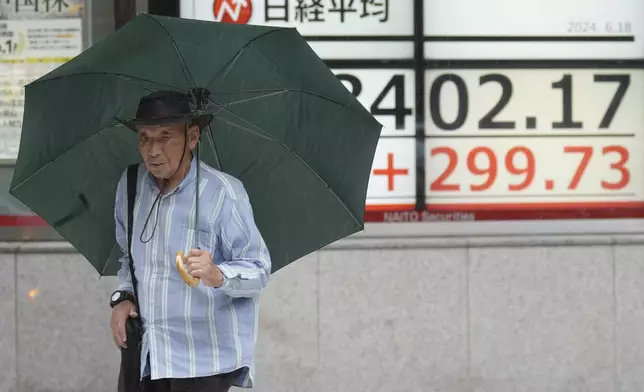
116, 296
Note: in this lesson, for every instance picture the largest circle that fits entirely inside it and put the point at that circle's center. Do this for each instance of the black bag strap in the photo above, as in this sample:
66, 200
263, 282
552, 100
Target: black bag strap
132, 172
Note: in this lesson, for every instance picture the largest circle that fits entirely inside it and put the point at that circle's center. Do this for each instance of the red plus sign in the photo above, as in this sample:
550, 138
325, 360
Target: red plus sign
390, 172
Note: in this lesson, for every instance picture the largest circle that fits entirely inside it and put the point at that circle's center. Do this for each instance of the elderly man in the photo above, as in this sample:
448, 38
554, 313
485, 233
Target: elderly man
199, 330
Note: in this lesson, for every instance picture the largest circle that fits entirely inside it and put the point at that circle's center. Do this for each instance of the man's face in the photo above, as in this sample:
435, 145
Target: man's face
162, 146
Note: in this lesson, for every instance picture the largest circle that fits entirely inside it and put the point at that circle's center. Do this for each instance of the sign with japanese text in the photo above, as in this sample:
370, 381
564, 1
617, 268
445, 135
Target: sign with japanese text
41, 9
35, 37
335, 29
543, 29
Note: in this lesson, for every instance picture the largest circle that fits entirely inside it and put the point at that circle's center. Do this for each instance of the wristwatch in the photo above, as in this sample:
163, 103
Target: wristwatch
120, 296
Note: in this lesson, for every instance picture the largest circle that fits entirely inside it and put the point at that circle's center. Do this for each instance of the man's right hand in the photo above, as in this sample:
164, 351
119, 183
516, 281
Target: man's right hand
120, 314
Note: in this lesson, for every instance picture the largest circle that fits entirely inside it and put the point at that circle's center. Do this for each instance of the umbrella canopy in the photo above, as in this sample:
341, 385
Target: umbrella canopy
283, 124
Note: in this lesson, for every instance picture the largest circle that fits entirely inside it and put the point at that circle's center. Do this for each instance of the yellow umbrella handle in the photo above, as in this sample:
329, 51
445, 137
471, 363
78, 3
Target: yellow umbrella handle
190, 280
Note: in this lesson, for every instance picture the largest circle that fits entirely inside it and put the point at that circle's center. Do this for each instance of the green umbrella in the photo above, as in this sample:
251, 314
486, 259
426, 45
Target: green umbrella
284, 125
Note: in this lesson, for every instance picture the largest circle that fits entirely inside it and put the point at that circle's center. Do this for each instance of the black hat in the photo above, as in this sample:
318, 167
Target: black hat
170, 106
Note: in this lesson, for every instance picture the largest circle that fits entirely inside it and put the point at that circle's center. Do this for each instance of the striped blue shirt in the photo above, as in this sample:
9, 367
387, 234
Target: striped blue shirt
200, 331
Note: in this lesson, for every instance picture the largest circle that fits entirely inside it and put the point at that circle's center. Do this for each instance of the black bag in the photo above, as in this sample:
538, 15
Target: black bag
130, 373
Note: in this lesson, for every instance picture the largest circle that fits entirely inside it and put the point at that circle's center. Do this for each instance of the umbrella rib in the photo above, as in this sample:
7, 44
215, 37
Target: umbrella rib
108, 258
184, 65
118, 75
232, 61
263, 90
268, 94
272, 93
296, 155
276, 91
214, 146
307, 92
43, 167
254, 40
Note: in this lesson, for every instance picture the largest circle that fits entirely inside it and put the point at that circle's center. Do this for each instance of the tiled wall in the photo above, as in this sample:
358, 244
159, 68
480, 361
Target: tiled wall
492, 314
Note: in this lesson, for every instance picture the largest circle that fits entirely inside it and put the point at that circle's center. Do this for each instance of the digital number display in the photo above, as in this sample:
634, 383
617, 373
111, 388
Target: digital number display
503, 138
542, 170
535, 100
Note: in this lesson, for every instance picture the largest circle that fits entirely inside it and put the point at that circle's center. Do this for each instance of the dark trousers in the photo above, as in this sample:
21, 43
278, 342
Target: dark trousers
218, 383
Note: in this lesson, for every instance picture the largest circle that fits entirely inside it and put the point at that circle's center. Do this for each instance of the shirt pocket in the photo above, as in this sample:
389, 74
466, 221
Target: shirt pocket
191, 238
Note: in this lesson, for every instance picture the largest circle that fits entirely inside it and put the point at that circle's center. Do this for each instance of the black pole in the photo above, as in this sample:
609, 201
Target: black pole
164, 7
124, 11
419, 70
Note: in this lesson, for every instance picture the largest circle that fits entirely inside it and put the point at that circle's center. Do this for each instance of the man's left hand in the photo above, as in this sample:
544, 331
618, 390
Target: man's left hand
199, 264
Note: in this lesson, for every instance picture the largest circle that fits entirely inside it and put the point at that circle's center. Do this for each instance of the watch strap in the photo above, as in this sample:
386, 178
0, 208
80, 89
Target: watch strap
123, 296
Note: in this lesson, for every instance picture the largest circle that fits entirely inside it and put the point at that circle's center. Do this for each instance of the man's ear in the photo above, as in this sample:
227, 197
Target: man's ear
194, 134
